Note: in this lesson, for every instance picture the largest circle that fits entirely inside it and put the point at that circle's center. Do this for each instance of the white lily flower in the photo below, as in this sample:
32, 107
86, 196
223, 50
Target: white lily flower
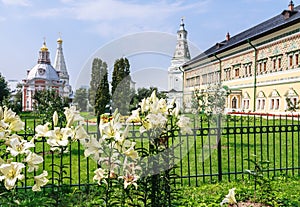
40, 180
229, 198
144, 105
16, 125
18, 146
72, 115
111, 129
93, 147
130, 179
3, 125
58, 137
9, 115
130, 151
175, 111
11, 173
134, 117
153, 98
157, 120
184, 125
80, 133
41, 130
33, 160
55, 118
100, 174
1, 112
162, 106
171, 104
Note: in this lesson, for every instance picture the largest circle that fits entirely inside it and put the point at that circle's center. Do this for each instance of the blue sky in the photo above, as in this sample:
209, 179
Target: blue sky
89, 27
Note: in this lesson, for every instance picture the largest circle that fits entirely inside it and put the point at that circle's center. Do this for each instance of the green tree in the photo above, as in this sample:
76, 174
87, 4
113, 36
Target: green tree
292, 105
46, 102
144, 93
14, 100
4, 90
97, 66
121, 80
81, 96
102, 95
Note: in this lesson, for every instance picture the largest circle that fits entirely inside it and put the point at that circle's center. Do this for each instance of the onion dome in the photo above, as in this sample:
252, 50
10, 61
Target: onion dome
44, 47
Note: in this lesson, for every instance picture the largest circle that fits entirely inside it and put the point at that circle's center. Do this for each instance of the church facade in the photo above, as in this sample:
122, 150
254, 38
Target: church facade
260, 66
44, 76
175, 72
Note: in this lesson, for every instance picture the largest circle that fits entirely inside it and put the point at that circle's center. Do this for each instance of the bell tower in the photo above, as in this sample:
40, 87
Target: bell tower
182, 50
181, 56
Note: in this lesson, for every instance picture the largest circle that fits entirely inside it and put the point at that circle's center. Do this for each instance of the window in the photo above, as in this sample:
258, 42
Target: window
279, 63
260, 67
258, 104
291, 60
234, 103
261, 102
227, 74
274, 103
246, 104
265, 66
296, 59
274, 64
247, 69
277, 104
237, 72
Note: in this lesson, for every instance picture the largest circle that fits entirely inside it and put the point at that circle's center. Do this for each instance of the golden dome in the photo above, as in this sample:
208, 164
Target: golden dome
59, 40
44, 47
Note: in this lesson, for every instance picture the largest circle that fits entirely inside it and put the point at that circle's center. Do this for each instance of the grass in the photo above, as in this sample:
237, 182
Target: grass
276, 140
284, 191
197, 155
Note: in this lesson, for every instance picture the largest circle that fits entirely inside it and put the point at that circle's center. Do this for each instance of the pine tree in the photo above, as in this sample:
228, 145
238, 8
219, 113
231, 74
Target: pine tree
95, 79
102, 95
80, 98
4, 90
121, 85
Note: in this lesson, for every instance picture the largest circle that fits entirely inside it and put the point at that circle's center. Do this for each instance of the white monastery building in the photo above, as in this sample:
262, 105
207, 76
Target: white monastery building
44, 76
260, 66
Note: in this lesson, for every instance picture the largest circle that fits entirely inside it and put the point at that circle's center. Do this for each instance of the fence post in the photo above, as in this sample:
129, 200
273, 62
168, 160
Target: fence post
219, 147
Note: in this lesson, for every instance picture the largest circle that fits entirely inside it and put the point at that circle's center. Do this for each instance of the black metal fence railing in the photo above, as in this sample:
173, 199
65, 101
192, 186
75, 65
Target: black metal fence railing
215, 151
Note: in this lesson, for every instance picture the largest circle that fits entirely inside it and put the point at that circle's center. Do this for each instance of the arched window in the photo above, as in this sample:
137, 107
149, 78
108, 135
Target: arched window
234, 103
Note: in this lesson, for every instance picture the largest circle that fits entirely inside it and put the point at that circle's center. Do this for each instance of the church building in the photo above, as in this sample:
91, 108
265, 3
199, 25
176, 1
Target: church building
44, 76
260, 66
175, 73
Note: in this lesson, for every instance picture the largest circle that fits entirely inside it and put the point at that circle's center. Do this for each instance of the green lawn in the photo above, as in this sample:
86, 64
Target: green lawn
197, 154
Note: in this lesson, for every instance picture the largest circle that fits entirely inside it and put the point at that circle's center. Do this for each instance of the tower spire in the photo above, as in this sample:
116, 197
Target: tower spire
182, 50
182, 24
59, 62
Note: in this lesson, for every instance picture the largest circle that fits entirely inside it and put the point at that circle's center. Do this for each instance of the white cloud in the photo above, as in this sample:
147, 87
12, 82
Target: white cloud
116, 17
16, 2
2, 19
116, 9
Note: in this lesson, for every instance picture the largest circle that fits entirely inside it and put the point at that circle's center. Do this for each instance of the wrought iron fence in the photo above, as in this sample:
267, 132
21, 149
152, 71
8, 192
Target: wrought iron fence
217, 150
